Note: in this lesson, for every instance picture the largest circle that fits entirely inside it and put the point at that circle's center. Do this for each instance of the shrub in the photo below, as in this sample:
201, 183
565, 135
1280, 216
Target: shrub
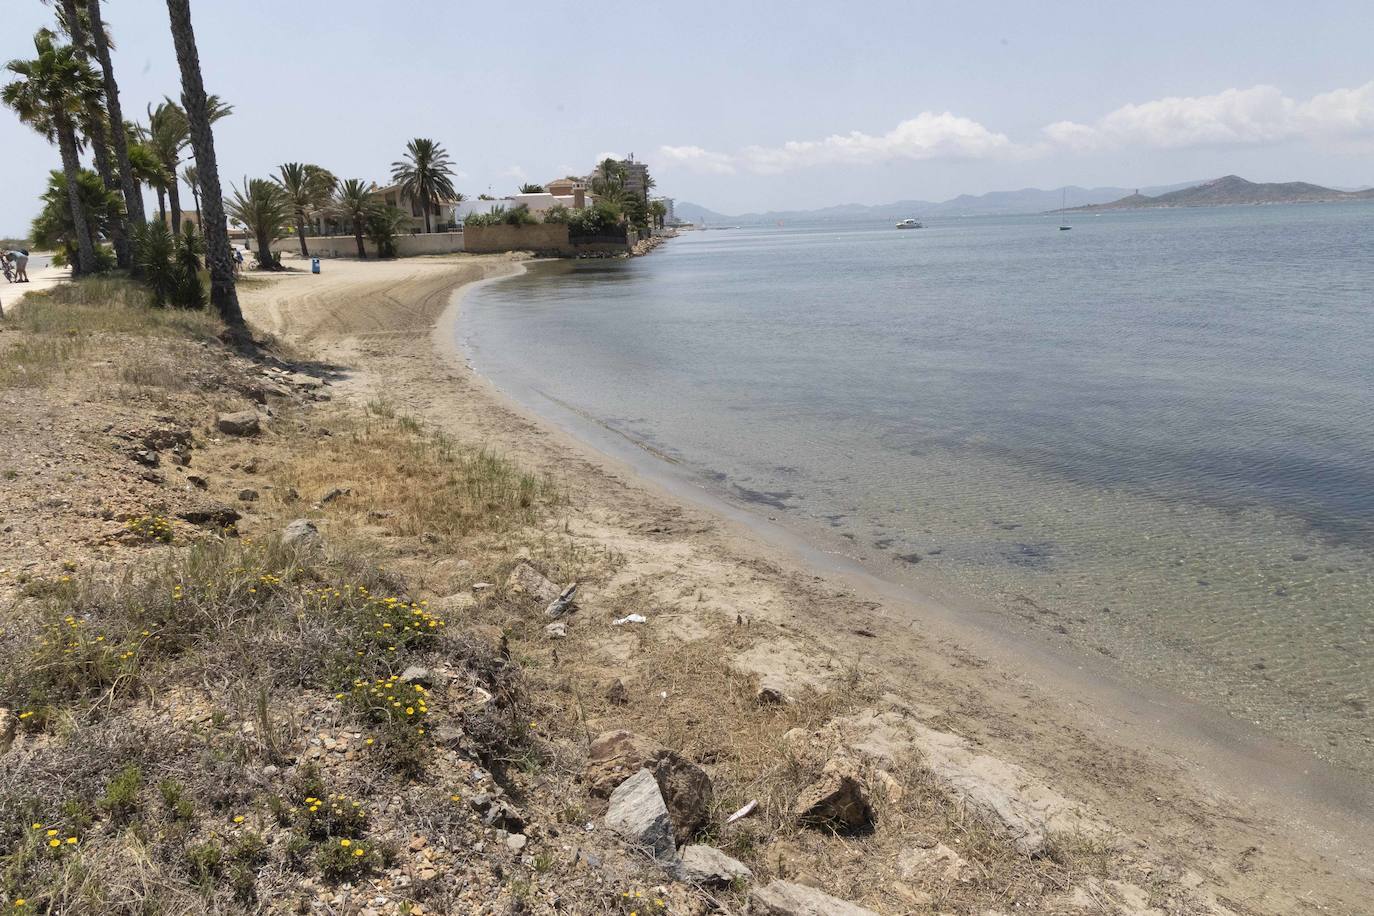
170, 265
520, 216
557, 214
121, 795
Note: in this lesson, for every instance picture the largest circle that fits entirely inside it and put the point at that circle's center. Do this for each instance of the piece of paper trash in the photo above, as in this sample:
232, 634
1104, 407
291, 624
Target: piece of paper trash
630, 618
742, 812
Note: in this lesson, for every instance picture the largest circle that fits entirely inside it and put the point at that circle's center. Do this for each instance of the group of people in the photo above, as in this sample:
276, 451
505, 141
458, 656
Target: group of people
16, 265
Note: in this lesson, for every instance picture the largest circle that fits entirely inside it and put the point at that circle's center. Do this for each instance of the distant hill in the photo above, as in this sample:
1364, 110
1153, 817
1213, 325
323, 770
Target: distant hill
995, 203
1232, 191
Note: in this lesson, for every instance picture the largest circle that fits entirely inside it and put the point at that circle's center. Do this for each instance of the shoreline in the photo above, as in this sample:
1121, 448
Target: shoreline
1240, 760
1098, 743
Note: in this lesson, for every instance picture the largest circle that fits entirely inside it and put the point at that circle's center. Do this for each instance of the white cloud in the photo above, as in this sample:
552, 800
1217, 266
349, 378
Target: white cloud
516, 172
926, 136
694, 157
1234, 117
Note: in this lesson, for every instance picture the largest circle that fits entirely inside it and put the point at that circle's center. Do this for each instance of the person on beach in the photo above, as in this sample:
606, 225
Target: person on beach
20, 260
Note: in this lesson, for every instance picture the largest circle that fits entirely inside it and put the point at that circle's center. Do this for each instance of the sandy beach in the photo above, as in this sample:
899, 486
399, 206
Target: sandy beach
1191, 802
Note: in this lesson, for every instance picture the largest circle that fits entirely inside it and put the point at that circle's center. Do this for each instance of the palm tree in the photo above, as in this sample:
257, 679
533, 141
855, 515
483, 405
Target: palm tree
309, 188
133, 199
223, 294
264, 208
531, 189
659, 211
169, 133
51, 92
424, 175
93, 122
192, 179
354, 203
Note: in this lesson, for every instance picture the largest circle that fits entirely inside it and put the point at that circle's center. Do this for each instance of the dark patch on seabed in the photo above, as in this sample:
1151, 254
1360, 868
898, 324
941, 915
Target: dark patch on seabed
1037, 555
775, 498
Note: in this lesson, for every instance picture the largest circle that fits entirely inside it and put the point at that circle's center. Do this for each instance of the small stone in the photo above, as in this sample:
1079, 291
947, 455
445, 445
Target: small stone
638, 814
525, 579
417, 675
710, 867
417, 843
240, 423
198, 481
300, 533
838, 799
556, 630
248, 495
617, 693
772, 692
336, 493
783, 898
516, 842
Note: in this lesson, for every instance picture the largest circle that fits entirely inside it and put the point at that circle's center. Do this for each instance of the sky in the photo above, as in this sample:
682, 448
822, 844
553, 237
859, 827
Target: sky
749, 106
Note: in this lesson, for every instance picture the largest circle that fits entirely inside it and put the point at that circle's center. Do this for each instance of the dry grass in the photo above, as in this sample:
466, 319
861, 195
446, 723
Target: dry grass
101, 306
404, 481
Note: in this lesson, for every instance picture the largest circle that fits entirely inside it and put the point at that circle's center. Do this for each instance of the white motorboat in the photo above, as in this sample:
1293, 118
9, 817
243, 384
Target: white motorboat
910, 224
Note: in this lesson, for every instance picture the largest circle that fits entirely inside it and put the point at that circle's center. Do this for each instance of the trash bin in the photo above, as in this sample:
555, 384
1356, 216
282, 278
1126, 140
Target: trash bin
314, 265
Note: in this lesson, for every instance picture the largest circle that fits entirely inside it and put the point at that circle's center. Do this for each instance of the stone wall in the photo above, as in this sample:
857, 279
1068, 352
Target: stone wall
540, 238
344, 246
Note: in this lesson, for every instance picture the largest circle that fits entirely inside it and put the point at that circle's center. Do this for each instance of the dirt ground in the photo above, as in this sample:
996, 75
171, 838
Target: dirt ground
977, 723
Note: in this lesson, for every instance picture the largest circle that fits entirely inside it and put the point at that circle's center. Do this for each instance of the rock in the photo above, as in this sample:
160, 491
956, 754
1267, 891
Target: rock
9, 724
240, 423
336, 493
300, 533
783, 898
772, 691
710, 867
145, 456
248, 495
556, 630
839, 799
685, 787
448, 736
198, 481
516, 842
417, 675
638, 813
617, 693
210, 514
565, 603
937, 861
525, 579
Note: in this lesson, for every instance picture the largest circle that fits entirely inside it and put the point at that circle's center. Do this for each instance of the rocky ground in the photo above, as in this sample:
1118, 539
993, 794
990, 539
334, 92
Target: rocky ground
319, 627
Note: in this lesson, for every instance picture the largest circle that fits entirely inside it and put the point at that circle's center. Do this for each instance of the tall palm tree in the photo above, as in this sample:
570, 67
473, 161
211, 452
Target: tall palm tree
50, 93
264, 208
425, 175
169, 133
192, 179
354, 203
309, 188
72, 19
133, 199
223, 294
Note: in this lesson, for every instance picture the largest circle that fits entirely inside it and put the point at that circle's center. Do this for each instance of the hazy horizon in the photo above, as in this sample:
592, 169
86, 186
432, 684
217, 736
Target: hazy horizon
790, 107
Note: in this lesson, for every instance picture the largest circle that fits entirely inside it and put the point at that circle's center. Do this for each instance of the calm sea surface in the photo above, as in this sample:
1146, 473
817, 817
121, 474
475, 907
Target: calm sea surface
1152, 436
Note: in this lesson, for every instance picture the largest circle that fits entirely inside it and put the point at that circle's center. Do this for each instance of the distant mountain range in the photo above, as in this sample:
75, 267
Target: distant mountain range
1230, 190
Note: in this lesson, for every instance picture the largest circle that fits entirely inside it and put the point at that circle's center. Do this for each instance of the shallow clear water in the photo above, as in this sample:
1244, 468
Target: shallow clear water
1152, 436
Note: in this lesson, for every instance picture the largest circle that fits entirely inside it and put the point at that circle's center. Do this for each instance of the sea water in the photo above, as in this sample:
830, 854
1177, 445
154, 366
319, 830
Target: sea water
1151, 437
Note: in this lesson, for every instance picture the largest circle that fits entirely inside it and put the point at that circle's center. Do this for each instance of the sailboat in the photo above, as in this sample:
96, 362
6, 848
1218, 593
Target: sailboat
1063, 206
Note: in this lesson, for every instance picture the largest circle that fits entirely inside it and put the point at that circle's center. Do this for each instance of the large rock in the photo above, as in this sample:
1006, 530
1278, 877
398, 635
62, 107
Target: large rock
838, 800
637, 813
525, 579
709, 867
300, 533
215, 515
239, 423
783, 898
686, 788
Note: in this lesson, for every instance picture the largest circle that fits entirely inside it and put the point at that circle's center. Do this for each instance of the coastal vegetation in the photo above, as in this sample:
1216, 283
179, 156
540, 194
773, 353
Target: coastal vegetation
425, 175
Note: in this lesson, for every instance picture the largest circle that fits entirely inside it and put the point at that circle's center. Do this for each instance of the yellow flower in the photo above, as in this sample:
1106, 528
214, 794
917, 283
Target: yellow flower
360, 852
54, 843
20, 902
37, 826
369, 741
71, 841
238, 819
52, 833
345, 843
455, 798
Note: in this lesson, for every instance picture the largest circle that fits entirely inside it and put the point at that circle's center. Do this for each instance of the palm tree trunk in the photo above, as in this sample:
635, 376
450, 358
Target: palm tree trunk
133, 196
300, 231
195, 195
162, 205
266, 260
85, 251
223, 295
425, 208
358, 237
174, 202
